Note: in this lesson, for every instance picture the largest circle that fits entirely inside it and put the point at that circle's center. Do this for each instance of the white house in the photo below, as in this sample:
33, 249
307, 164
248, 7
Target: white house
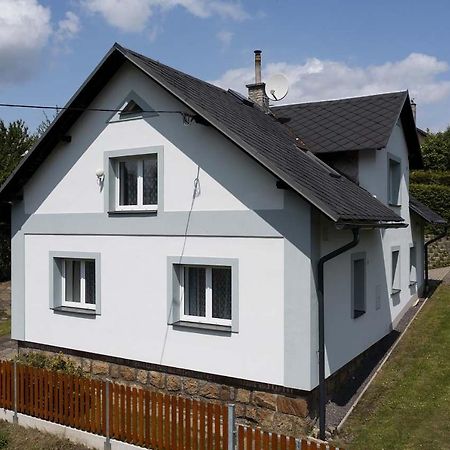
167, 224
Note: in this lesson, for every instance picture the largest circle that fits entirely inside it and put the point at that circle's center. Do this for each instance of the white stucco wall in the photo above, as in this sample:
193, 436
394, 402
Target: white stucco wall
347, 337
229, 180
266, 229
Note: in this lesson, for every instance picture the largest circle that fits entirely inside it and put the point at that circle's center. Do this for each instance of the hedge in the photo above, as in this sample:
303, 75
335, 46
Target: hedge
435, 196
430, 177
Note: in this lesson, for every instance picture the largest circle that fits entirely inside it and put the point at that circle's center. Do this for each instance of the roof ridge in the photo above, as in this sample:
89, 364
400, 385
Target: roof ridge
343, 99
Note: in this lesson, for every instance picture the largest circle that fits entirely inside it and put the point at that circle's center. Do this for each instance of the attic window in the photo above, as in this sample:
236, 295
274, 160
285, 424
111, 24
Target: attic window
132, 109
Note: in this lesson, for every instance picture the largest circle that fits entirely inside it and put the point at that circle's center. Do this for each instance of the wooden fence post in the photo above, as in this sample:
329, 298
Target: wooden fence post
15, 417
231, 427
107, 424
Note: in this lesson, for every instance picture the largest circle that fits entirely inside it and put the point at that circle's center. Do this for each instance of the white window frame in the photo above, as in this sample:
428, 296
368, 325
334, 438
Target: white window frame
208, 318
394, 162
396, 272
140, 184
413, 267
82, 303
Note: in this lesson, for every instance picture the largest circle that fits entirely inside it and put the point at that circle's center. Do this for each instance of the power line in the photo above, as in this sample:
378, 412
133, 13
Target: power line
80, 109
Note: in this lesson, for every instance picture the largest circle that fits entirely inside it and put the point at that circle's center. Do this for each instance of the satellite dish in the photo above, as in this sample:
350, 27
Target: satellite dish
277, 87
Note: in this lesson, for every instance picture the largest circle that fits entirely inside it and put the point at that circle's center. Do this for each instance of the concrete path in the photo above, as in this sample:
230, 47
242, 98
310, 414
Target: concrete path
439, 274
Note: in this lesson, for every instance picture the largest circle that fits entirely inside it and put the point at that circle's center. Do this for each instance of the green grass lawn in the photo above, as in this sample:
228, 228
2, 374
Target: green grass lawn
14, 437
408, 404
5, 327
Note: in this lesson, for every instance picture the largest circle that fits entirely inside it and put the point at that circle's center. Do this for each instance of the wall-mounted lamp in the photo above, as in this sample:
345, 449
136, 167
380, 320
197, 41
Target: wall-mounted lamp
100, 173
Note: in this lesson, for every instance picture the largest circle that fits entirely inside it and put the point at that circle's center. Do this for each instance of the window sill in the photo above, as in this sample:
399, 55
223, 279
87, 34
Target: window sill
202, 326
357, 313
395, 292
412, 283
133, 212
73, 310
395, 205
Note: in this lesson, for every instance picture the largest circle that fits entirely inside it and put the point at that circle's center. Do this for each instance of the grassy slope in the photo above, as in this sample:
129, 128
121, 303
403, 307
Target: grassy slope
13, 437
408, 405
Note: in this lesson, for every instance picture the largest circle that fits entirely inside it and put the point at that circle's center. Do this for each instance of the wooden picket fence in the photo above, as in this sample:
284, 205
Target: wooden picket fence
134, 415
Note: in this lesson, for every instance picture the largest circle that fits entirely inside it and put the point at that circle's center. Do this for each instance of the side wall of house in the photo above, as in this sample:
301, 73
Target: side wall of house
347, 337
239, 215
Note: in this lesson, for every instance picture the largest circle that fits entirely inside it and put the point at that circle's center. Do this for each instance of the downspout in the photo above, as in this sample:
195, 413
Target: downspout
425, 247
322, 387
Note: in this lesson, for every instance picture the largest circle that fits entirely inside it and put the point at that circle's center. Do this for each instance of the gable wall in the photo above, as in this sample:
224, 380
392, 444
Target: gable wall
240, 214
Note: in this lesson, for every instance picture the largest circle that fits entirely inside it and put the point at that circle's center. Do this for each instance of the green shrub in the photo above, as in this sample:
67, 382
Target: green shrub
59, 363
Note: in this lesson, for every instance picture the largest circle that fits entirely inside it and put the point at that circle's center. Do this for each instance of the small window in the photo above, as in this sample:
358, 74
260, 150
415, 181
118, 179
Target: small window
78, 283
137, 183
394, 182
359, 286
412, 265
205, 294
396, 286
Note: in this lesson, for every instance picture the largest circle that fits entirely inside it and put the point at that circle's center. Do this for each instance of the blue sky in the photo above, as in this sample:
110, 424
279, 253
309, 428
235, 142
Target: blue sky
326, 48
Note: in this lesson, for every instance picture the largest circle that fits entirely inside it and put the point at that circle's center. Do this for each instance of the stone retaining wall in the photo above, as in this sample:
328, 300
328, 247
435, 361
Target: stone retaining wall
272, 412
439, 252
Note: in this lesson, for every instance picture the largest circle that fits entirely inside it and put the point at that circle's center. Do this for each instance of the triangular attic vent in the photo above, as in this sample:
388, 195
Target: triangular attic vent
131, 109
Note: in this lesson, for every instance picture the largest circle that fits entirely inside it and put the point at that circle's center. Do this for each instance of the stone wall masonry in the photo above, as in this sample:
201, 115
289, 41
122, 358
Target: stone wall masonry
439, 252
269, 411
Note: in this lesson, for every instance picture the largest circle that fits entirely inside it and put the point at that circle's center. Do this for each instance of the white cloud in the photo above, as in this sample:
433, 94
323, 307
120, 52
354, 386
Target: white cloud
68, 27
326, 79
225, 37
24, 31
134, 15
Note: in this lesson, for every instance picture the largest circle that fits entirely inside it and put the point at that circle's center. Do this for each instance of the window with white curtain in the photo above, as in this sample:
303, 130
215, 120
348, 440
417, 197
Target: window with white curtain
206, 294
78, 283
137, 183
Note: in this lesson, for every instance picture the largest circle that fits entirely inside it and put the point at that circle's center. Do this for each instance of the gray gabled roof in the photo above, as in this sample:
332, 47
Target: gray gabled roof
425, 213
359, 123
259, 134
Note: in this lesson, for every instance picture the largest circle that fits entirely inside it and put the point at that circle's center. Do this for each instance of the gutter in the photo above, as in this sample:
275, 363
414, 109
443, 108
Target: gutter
320, 277
425, 247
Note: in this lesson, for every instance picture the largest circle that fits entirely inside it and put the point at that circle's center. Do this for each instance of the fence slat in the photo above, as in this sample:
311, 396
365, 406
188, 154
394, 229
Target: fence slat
202, 426
249, 438
209, 425
283, 442
180, 427
140, 413
195, 434
265, 440
159, 400
291, 443
174, 443
225, 427
187, 424
258, 439
147, 419
217, 437
134, 416
241, 442
153, 441
274, 441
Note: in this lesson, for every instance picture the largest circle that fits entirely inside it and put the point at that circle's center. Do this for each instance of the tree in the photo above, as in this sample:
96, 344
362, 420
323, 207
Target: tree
436, 150
15, 141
